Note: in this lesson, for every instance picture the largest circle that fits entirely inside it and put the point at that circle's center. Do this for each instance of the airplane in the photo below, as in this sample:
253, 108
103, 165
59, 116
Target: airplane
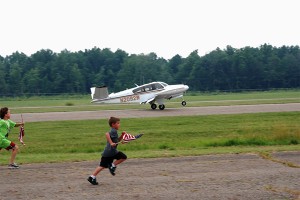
148, 93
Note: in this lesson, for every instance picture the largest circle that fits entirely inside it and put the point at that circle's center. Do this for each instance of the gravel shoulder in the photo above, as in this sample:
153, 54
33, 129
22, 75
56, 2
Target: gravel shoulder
230, 176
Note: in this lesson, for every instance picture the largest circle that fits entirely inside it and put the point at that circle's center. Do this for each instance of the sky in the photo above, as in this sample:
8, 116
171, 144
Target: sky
165, 27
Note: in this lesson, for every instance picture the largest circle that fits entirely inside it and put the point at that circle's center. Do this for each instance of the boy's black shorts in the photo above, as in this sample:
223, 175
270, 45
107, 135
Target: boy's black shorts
106, 161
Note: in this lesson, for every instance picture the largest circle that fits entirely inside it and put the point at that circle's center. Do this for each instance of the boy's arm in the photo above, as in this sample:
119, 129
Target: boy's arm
19, 124
109, 140
121, 136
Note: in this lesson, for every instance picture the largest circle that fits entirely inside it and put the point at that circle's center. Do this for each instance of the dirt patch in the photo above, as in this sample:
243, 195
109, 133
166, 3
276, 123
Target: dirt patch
230, 176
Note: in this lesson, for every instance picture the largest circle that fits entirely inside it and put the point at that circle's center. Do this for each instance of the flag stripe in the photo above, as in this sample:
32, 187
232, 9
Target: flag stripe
128, 137
21, 134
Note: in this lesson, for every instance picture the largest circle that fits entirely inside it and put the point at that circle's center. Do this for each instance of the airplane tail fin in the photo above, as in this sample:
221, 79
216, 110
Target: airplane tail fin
99, 92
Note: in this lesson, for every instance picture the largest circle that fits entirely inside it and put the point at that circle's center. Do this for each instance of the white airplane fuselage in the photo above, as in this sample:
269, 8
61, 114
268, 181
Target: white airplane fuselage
147, 93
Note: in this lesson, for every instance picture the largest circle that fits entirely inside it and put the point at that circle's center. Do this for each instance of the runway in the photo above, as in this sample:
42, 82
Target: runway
142, 113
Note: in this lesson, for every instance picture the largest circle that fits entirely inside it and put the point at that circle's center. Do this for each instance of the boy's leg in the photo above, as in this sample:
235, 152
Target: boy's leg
97, 170
119, 161
92, 179
103, 164
113, 167
120, 157
14, 152
14, 148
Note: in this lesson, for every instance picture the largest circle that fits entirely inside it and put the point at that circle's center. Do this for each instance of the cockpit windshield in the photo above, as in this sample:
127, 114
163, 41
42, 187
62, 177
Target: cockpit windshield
150, 87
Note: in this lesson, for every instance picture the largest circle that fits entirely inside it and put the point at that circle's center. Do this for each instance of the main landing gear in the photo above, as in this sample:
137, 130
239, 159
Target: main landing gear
161, 107
154, 106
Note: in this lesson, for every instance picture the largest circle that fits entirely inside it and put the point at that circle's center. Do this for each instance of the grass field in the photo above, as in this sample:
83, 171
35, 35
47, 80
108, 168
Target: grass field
165, 136
68, 103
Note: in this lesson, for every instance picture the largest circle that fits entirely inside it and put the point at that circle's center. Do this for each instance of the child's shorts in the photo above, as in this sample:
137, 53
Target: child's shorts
106, 161
10, 146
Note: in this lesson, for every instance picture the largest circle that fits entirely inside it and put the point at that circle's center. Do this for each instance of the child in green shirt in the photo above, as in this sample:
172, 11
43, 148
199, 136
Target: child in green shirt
5, 126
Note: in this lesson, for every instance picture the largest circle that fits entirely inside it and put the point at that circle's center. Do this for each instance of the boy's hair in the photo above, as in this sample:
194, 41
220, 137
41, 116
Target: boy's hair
3, 112
113, 120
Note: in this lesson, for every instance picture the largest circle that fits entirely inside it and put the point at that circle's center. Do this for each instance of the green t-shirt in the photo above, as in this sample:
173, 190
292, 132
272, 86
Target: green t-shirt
5, 127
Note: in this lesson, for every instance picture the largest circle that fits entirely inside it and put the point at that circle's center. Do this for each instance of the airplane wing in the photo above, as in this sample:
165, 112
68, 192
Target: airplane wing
151, 99
147, 98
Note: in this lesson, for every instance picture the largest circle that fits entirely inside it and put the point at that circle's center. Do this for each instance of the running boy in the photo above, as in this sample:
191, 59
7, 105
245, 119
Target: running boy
5, 126
110, 152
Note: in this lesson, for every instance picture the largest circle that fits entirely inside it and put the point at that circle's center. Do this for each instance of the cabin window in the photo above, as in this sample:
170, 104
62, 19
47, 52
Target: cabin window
164, 84
146, 88
137, 90
158, 86
142, 89
153, 86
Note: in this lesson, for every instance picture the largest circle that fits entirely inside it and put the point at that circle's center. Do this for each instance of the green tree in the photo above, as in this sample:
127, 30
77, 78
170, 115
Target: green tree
3, 84
184, 70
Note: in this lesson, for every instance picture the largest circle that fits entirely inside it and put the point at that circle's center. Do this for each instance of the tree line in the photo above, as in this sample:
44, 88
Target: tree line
262, 67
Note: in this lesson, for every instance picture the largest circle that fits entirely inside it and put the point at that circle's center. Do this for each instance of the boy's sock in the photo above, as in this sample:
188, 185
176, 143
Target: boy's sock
93, 176
92, 180
112, 169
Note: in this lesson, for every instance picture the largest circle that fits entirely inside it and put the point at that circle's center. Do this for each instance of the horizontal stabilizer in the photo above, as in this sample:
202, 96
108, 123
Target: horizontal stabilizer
99, 92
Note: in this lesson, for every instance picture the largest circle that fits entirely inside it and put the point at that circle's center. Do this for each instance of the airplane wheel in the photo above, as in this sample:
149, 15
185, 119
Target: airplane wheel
153, 106
161, 107
183, 103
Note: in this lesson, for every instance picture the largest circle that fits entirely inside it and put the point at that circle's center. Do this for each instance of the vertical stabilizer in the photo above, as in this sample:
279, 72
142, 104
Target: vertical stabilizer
99, 92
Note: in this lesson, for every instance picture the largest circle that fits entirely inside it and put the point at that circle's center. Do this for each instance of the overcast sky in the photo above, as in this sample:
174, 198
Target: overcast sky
165, 27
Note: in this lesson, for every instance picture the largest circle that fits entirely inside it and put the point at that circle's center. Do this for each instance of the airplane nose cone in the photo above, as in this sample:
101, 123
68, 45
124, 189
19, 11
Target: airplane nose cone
186, 87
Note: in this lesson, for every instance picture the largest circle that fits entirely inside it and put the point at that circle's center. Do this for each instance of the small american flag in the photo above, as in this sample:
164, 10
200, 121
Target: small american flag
126, 137
21, 134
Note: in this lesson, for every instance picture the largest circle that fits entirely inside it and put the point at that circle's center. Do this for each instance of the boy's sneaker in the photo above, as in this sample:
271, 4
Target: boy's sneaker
93, 181
13, 166
112, 170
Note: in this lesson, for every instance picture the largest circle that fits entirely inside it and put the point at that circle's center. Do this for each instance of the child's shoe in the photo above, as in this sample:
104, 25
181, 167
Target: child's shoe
93, 181
13, 166
112, 169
